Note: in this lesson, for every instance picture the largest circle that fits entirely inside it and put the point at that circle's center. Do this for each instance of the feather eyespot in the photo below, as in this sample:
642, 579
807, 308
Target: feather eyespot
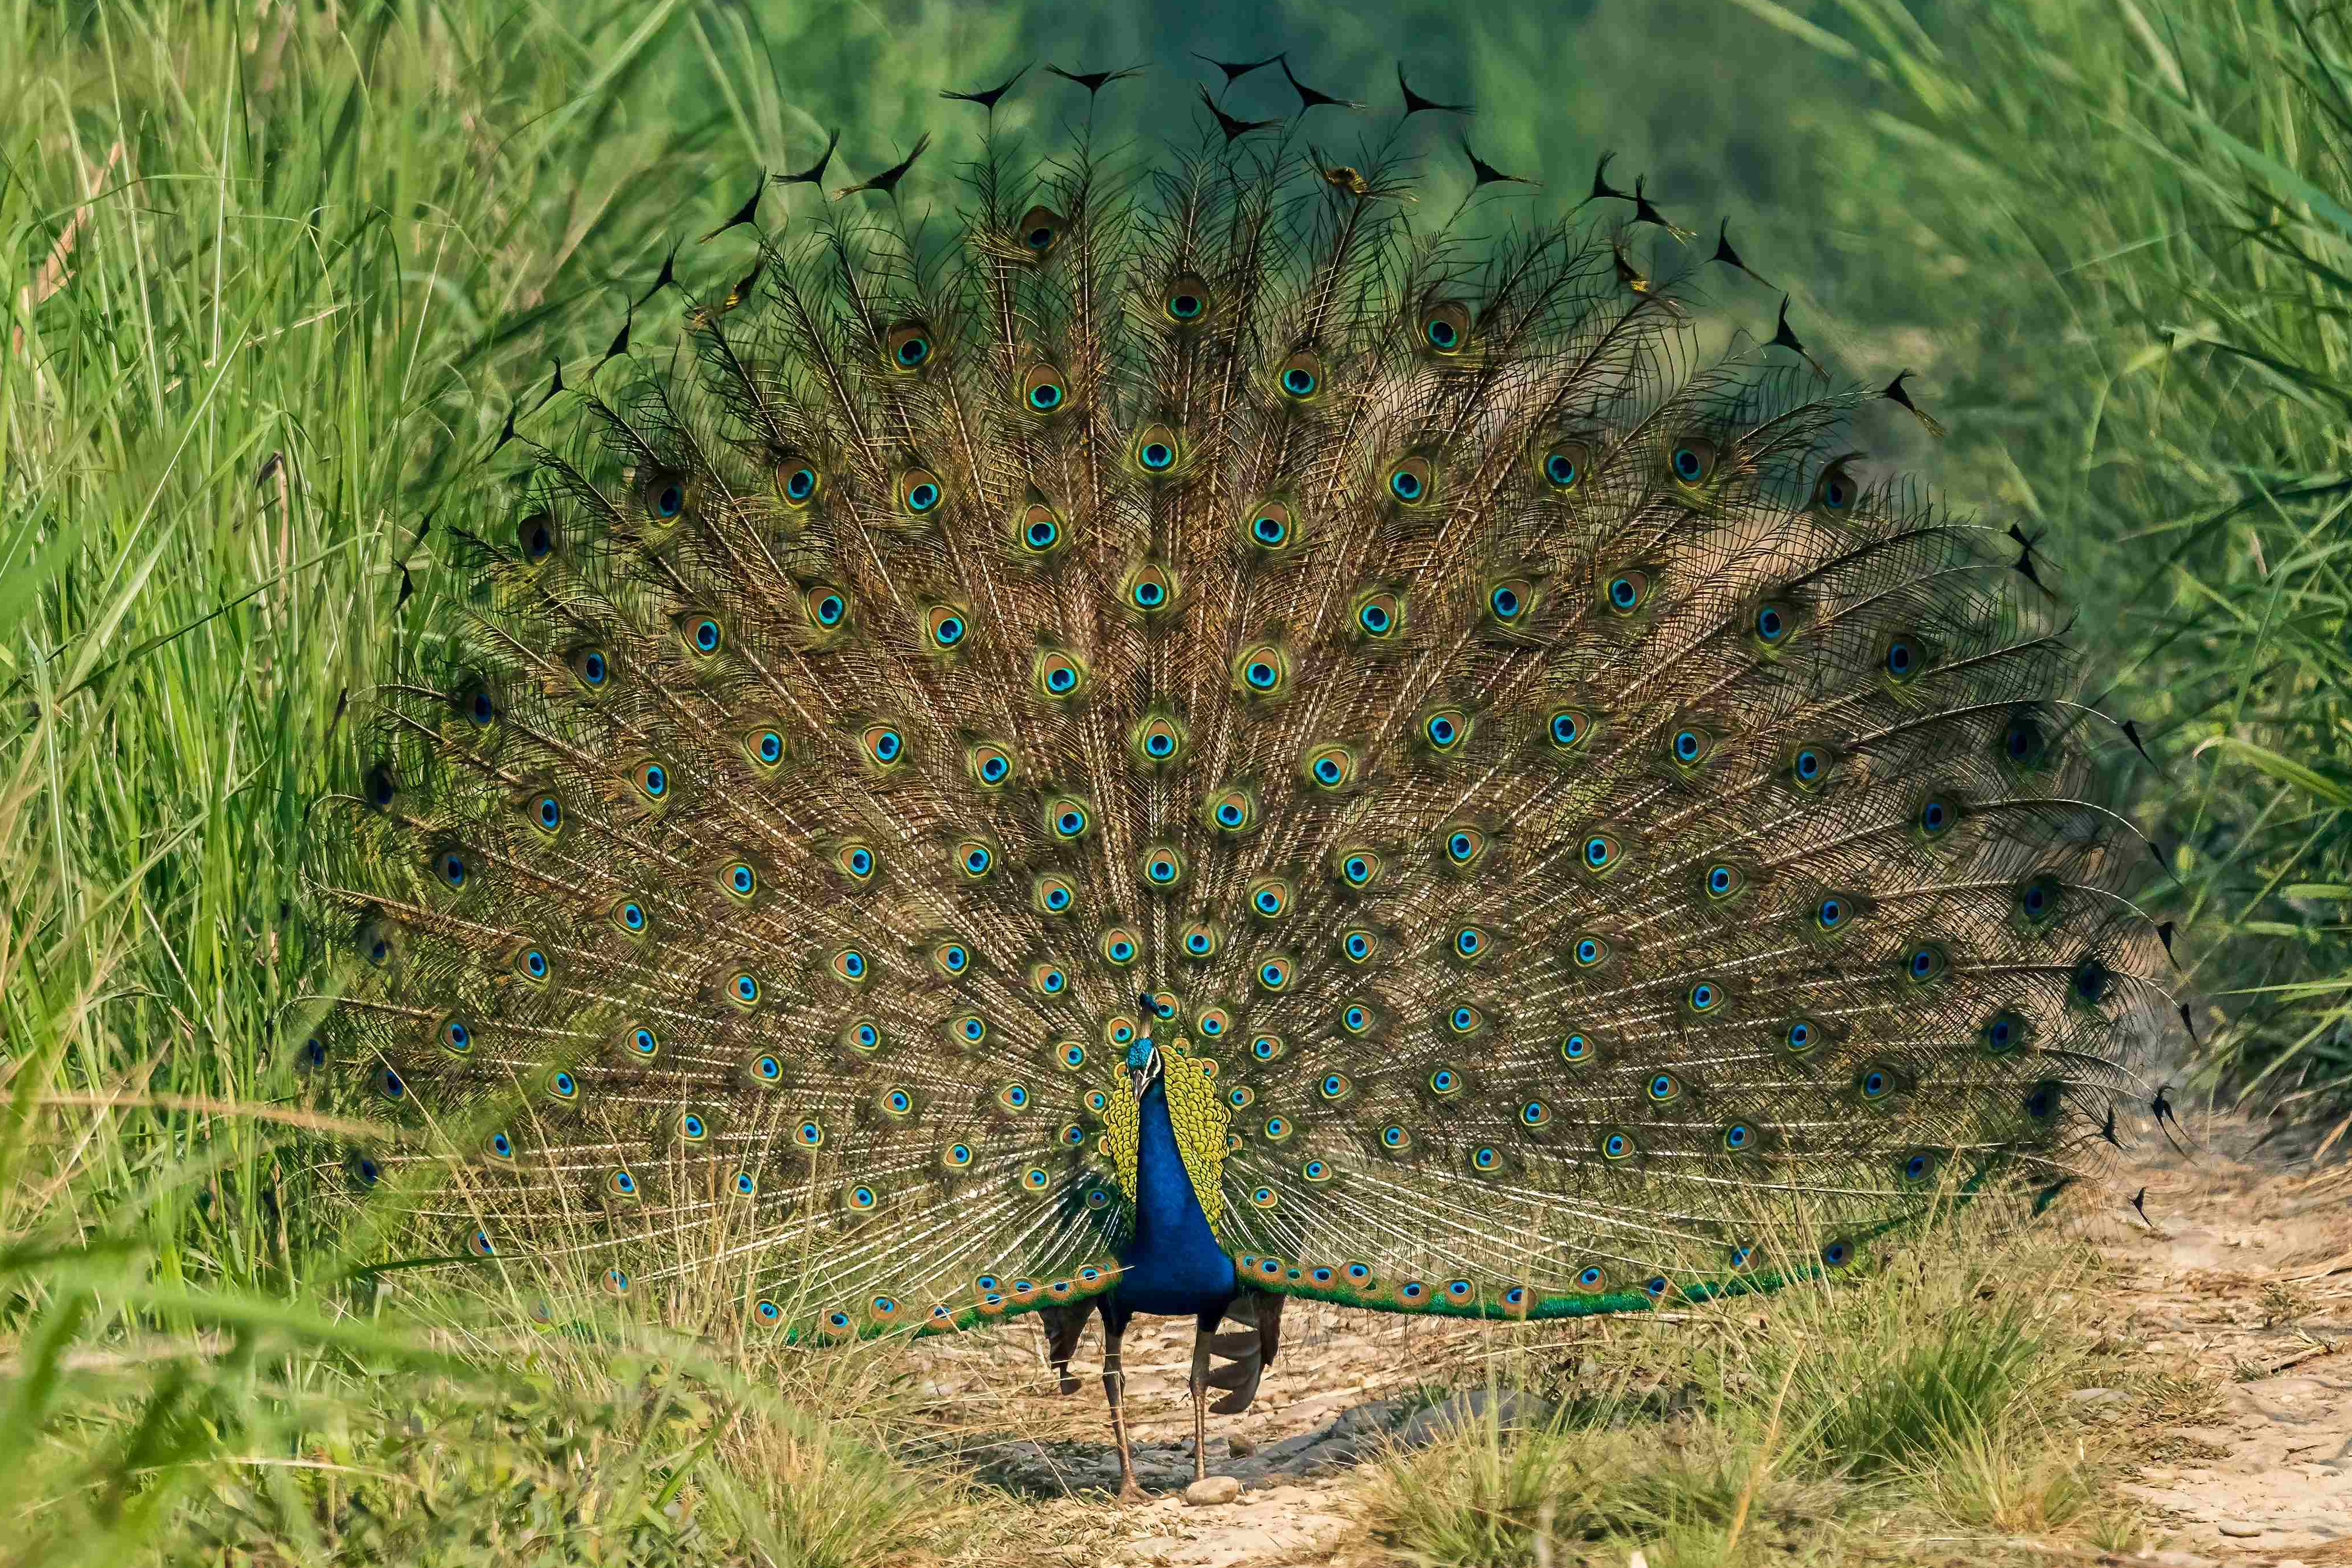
1039, 230
631, 916
1266, 1047
1186, 299
1274, 974
1510, 603
1577, 1049
1567, 730
1360, 868
1357, 1018
1162, 865
908, 346
1042, 389
974, 858
1563, 465
856, 860
1924, 963
1691, 460
1773, 624
950, 958
1053, 894
1412, 481
1445, 730
1231, 810
1903, 656
861, 1037
946, 628
1038, 531
455, 1036
1463, 846
798, 483
1268, 897
1058, 676
1589, 952
919, 492
2039, 901
1261, 672
1705, 997
1834, 493
1119, 946
1446, 327
1150, 590
1158, 450
884, 746
1271, 527
1722, 881
1626, 592
739, 880
1214, 1023
1299, 377
827, 607
2004, 1031
535, 537
651, 780
1378, 616
764, 747
1809, 766
850, 965
1800, 1037
591, 667
663, 494
1201, 941
1689, 746
1358, 946
1601, 853
1067, 817
2024, 742
1329, 766
989, 765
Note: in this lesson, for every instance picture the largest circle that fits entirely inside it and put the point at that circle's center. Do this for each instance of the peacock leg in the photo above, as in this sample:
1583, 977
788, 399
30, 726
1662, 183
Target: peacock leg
1203, 1341
1114, 1332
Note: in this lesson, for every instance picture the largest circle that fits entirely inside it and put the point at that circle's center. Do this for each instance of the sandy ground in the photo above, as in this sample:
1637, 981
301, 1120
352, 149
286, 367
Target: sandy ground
2241, 1284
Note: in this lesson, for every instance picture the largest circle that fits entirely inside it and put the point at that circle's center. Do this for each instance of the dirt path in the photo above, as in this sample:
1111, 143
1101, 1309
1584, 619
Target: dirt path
2237, 1290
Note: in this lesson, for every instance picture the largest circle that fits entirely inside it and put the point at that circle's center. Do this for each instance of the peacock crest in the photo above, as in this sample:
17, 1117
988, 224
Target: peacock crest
1560, 814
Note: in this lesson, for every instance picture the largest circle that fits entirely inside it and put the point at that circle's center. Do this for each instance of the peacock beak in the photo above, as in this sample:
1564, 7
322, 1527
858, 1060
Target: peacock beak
1139, 1079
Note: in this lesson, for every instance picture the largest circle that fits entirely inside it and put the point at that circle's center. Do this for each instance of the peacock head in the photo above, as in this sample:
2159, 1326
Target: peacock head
1143, 1056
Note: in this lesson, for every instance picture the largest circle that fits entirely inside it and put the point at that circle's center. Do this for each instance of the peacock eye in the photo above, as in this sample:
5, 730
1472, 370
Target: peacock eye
1158, 450
1271, 526
590, 666
1412, 481
1262, 671
1446, 327
1691, 460
919, 491
1380, 615
1039, 230
663, 494
1834, 491
703, 635
908, 346
1150, 590
1463, 845
1445, 730
1690, 744
989, 765
1300, 376
1058, 676
945, 627
535, 537
1157, 740
765, 747
1232, 809
1566, 730
1562, 467
1510, 602
798, 481
1186, 299
884, 746
1329, 766
1627, 591
1042, 389
1902, 655
1774, 621
828, 608
1600, 852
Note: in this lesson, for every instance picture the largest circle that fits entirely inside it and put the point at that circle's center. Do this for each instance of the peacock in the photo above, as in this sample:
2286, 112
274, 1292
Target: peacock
1203, 732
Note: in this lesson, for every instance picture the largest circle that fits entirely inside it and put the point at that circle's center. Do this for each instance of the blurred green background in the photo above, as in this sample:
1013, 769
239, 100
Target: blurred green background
279, 270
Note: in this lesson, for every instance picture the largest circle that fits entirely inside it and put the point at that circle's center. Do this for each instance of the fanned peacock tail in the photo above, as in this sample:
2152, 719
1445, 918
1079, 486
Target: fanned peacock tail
1569, 819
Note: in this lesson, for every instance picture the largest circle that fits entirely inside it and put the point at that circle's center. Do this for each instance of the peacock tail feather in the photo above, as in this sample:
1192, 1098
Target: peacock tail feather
1569, 819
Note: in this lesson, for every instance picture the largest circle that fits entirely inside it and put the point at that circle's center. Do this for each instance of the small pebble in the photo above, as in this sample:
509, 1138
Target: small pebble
1212, 1490
2241, 1528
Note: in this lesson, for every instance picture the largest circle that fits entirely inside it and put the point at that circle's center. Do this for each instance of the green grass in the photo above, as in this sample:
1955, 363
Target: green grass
1853, 1419
278, 275
2128, 236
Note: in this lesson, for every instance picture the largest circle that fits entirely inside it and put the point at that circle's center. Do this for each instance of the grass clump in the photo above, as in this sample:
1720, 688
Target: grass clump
1914, 1398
